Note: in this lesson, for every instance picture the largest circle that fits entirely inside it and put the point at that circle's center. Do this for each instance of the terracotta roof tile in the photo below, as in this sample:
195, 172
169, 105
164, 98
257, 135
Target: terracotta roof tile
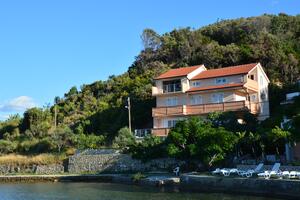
183, 71
225, 71
213, 87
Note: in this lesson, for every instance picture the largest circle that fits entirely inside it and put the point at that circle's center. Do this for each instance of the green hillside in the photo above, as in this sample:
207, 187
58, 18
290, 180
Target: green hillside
99, 108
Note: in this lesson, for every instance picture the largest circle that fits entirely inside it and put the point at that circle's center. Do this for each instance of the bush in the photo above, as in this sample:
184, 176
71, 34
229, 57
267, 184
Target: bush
62, 137
138, 176
89, 141
7, 146
27, 145
70, 151
124, 138
44, 145
152, 147
195, 138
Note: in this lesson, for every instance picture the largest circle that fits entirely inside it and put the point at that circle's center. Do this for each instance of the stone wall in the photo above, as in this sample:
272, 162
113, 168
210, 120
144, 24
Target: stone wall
37, 169
273, 187
50, 169
116, 162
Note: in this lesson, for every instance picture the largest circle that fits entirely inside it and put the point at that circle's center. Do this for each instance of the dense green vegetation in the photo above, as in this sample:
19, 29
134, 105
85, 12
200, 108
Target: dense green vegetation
92, 115
216, 139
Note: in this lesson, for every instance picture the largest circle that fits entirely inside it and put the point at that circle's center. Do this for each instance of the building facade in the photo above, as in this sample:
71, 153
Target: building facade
196, 91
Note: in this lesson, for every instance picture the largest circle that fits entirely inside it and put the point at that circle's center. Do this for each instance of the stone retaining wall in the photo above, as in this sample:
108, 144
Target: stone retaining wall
37, 169
50, 169
254, 186
117, 163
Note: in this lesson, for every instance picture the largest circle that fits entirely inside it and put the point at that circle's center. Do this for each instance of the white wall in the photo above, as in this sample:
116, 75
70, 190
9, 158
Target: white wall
263, 84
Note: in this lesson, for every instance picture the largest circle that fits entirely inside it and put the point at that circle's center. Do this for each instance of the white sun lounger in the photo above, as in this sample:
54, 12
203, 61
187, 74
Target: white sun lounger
250, 172
275, 172
291, 174
230, 171
226, 172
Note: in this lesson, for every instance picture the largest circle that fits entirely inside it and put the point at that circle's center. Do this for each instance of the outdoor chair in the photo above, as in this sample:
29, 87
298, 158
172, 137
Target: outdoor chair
225, 171
248, 173
275, 172
291, 174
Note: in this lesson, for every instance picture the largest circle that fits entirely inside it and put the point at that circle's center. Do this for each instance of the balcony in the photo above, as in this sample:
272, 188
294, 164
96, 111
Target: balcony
251, 84
160, 132
205, 108
222, 107
167, 89
169, 111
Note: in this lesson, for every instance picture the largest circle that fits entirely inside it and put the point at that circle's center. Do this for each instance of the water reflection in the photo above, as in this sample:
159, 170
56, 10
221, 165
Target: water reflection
101, 191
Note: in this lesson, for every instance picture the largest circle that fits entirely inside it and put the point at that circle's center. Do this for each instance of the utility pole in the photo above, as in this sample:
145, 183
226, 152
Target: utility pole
55, 116
129, 113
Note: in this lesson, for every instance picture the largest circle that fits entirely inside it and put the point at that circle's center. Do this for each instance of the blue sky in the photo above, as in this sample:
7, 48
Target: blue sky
46, 47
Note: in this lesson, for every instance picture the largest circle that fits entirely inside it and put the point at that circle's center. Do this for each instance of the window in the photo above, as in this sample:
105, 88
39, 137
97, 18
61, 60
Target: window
172, 86
172, 101
263, 96
171, 123
195, 99
196, 84
220, 81
251, 77
253, 98
217, 98
261, 80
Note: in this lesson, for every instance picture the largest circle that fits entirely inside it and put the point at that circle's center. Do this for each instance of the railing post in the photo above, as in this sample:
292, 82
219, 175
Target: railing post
223, 106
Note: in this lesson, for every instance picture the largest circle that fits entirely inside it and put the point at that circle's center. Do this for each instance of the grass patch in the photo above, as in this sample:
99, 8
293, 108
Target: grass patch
138, 176
41, 159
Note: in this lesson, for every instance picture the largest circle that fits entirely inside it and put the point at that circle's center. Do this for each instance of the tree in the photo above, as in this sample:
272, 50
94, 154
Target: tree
277, 136
124, 138
72, 91
150, 39
62, 137
152, 147
83, 141
195, 138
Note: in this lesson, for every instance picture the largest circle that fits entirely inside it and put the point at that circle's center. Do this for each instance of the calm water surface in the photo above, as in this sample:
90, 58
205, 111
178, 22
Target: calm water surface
102, 191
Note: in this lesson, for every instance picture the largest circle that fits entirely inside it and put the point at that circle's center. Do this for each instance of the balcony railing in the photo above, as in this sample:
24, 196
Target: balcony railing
251, 84
161, 132
205, 108
169, 111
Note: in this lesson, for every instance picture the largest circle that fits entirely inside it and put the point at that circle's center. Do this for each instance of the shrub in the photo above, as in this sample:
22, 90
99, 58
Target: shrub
138, 176
151, 147
89, 141
44, 145
124, 138
70, 151
27, 145
198, 139
7, 146
62, 137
